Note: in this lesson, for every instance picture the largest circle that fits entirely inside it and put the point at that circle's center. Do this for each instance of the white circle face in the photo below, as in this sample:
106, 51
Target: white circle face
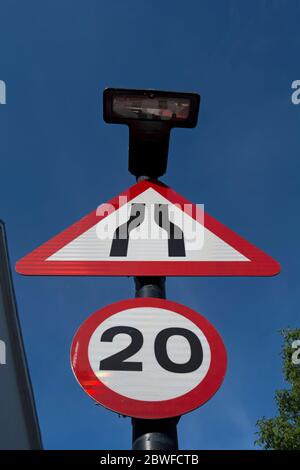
153, 382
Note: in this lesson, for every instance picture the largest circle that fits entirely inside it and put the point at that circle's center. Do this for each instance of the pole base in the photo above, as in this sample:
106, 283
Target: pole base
154, 434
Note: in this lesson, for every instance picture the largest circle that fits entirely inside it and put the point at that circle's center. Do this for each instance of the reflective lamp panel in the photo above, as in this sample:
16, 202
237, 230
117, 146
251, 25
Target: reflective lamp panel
147, 108
166, 108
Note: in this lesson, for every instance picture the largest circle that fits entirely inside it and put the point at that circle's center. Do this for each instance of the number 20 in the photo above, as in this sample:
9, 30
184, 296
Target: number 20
117, 361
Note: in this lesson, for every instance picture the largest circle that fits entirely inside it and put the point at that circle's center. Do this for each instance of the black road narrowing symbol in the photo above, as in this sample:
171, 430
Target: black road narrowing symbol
119, 245
175, 235
176, 246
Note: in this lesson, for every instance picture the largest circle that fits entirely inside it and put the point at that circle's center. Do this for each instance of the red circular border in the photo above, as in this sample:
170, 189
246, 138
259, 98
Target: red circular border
139, 408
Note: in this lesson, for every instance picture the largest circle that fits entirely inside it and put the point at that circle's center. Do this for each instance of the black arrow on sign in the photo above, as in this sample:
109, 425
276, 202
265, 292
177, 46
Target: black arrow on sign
119, 245
175, 235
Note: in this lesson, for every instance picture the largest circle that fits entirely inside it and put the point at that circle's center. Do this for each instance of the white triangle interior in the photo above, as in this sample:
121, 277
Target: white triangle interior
200, 243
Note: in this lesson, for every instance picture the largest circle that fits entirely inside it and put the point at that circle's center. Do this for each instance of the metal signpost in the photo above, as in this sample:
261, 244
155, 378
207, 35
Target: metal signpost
149, 358
18, 419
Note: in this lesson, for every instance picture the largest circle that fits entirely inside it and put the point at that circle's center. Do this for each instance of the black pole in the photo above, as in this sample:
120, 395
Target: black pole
153, 434
147, 286
148, 154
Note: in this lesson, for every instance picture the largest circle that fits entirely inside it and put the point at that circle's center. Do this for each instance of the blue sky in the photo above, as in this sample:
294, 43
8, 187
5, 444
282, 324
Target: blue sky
59, 160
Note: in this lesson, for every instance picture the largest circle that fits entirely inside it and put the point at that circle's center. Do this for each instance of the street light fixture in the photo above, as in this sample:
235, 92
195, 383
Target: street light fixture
150, 115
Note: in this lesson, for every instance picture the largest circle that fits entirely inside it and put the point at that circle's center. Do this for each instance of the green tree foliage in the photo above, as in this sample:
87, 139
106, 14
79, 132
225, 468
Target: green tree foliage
283, 431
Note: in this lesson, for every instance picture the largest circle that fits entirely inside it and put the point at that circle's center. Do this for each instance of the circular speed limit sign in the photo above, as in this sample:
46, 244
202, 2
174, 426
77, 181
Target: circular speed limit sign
148, 358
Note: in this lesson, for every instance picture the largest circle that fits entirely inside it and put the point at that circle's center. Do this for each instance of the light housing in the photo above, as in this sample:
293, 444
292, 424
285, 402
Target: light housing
150, 115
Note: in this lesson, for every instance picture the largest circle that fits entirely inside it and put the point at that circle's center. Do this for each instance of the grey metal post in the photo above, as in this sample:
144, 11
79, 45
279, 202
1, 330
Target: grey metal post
153, 434
18, 417
148, 155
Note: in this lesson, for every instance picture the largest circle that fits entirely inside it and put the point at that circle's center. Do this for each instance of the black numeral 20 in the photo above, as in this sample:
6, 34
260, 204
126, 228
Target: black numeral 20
117, 361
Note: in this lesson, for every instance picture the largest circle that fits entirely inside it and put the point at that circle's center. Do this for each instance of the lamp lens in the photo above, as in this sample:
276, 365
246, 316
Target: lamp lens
151, 109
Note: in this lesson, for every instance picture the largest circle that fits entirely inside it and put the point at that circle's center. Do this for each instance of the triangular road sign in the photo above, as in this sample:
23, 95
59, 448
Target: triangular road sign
149, 230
